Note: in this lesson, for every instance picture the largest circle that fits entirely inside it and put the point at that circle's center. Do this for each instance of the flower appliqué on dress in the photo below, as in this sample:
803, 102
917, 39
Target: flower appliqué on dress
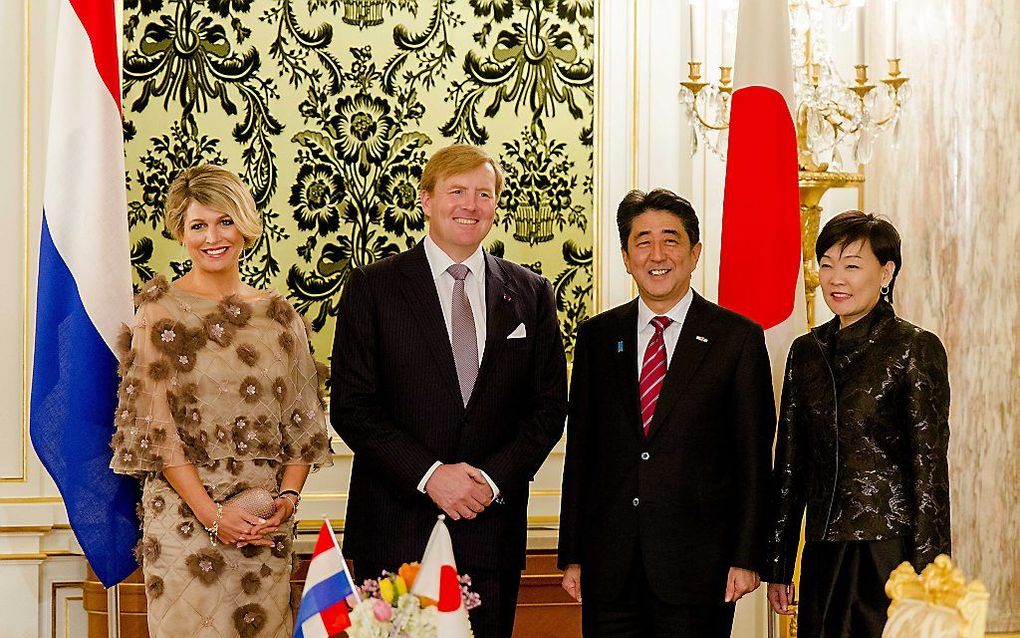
249, 620
236, 311
250, 389
154, 584
186, 529
153, 290
248, 354
280, 389
250, 583
206, 565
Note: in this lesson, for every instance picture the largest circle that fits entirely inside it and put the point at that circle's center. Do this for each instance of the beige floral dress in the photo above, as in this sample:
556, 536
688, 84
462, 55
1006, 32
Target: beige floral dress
231, 387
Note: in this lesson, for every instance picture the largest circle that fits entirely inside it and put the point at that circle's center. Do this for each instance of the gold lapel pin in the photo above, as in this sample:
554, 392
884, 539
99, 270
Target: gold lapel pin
701, 339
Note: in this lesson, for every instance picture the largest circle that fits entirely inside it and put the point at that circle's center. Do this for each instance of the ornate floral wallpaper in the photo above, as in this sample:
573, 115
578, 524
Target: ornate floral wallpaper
329, 109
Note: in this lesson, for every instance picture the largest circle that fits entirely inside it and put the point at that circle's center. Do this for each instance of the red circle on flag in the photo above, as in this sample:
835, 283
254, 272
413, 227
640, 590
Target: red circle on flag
449, 589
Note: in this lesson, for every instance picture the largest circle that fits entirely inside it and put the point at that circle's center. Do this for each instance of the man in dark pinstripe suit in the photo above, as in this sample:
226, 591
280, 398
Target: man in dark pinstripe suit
449, 384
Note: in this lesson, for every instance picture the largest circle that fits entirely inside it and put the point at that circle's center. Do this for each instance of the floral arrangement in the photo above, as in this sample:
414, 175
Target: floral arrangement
389, 610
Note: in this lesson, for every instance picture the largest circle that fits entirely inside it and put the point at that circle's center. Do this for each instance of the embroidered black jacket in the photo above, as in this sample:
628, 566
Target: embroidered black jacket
863, 439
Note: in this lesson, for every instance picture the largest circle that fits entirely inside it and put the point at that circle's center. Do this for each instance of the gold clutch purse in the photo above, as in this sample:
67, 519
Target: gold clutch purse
255, 501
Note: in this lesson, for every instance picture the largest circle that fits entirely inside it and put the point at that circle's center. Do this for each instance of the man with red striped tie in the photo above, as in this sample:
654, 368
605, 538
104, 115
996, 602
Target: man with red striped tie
669, 437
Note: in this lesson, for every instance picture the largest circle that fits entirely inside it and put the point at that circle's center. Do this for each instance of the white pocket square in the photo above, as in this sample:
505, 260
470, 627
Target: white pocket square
519, 332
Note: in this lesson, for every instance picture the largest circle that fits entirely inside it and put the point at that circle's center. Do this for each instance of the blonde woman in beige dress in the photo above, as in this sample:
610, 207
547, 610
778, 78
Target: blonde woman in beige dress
219, 393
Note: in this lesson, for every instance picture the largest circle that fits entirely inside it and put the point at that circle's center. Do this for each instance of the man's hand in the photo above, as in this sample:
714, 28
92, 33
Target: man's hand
739, 582
460, 490
780, 598
572, 581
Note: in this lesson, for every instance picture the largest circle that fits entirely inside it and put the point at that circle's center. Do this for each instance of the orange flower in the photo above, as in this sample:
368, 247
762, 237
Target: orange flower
427, 602
409, 571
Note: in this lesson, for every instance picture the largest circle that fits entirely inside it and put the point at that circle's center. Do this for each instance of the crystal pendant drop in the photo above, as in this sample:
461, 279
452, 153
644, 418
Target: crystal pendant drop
864, 148
869, 101
694, 141
724, 141
814, 125
896, 134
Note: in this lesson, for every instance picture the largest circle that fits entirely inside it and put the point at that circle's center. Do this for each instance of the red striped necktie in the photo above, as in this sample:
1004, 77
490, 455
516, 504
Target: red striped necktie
653, 371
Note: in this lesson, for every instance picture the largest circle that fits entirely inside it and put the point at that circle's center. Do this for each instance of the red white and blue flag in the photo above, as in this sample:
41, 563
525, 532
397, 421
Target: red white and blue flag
84, 292
323, 612
760, 267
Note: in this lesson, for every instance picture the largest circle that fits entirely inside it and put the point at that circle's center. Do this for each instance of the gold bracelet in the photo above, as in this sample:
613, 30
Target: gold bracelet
214, 529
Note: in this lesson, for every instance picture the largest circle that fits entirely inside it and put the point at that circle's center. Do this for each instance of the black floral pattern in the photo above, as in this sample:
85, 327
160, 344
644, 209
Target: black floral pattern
540, 187
316, 197
332, 109
362, 128
402, 211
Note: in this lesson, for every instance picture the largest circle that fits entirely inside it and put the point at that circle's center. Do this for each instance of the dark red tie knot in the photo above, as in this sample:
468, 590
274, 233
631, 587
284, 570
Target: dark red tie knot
661, 323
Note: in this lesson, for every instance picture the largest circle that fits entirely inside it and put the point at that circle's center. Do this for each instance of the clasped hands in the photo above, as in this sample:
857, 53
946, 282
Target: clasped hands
460, 490
238, 527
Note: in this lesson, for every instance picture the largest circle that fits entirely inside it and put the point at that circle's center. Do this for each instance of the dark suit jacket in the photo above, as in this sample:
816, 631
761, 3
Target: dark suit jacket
396, 402
690, 498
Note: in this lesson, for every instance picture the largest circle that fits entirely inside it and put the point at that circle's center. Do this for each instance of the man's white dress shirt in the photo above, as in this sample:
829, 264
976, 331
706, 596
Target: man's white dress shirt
645, 329
474, 289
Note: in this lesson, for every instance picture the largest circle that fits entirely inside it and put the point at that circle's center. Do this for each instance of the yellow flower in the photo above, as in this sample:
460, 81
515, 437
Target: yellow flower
401, 586
386, 590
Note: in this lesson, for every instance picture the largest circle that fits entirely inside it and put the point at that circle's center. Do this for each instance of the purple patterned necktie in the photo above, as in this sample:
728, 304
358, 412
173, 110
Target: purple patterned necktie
464, 339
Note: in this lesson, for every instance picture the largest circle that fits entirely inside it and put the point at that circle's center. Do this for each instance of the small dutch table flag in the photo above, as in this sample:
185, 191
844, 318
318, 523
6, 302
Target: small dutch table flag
323, 612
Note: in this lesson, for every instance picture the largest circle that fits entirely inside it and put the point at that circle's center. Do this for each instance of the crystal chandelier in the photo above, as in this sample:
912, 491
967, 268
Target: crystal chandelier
838, 121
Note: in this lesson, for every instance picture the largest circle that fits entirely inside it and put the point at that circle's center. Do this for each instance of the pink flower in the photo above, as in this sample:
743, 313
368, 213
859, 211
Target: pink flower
382, 610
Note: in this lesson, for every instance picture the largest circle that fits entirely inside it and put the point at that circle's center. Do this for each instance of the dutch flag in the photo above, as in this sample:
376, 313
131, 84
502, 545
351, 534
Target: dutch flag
84, 292
323, 611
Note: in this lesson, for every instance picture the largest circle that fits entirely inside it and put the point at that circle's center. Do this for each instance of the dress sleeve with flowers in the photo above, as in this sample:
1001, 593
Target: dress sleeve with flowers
303, 419
207, 381
146, 438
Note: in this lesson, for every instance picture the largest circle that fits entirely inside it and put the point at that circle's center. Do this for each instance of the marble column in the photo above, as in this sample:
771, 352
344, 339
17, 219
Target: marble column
952, 187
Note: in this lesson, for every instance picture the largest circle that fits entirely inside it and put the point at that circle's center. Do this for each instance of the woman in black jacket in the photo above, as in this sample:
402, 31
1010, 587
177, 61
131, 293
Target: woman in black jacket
863, 438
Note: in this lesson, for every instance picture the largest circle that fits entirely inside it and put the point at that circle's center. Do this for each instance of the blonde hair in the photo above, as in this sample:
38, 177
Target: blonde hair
456, 159
216, 188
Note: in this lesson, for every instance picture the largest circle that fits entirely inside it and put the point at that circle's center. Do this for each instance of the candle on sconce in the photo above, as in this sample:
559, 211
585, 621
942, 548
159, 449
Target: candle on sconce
727, 40
860, 26
892, 39
696, 23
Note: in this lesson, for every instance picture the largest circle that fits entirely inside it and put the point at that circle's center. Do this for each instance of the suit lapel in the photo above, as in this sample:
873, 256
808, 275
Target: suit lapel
422, 297
624, 350
501, 317
687, 357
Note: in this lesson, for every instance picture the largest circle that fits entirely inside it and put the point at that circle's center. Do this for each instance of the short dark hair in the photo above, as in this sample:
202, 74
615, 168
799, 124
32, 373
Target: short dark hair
852, 226
637, 202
